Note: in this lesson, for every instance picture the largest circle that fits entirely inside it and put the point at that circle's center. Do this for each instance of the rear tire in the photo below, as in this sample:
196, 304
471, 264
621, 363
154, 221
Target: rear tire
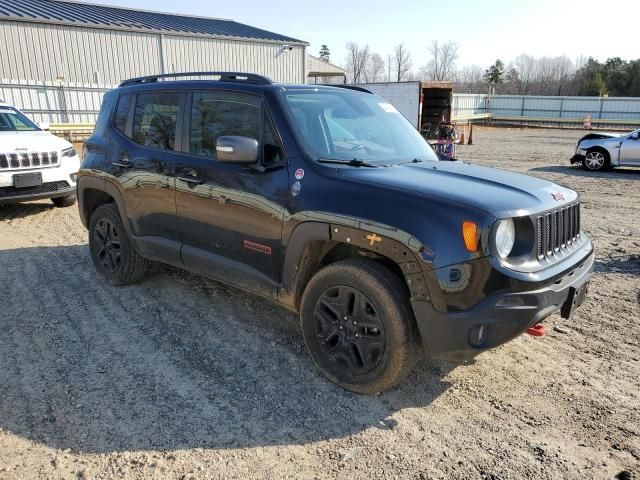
359, 327
62, 202
112, 252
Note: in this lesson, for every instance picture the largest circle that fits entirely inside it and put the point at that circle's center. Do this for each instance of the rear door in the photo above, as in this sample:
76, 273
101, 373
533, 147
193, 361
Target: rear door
231, 215
630, 150
143, 165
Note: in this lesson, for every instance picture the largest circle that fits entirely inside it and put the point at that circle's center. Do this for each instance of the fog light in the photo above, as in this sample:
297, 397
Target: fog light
73, 177
478, 335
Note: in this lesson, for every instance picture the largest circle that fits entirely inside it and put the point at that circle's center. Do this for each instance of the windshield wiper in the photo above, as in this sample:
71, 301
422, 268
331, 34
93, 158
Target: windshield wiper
353, 163
415, 160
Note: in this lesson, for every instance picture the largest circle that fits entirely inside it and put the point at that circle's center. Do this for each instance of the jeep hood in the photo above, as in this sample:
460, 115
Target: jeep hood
498, 192
37, 141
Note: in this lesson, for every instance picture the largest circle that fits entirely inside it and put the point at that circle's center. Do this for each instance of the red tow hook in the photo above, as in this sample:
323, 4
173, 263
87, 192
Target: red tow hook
538, 330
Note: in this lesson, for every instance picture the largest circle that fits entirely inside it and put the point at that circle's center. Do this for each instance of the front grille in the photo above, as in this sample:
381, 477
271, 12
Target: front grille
49, 187
19, 161
557, 230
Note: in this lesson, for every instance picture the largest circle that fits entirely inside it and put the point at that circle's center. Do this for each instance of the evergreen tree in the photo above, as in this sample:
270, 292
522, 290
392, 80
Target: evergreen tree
493, 75
325, 54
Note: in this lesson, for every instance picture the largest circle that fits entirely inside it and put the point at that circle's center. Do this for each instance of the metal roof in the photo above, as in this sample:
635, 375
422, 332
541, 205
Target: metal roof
103, 16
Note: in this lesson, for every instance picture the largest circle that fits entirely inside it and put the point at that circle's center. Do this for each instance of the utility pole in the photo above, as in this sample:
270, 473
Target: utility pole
389, 68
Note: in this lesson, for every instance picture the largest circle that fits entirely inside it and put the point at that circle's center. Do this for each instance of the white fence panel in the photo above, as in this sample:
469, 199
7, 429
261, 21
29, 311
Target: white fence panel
55, 103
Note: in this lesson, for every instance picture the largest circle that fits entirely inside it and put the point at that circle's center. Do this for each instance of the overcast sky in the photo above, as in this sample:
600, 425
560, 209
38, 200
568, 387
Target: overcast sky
484, 30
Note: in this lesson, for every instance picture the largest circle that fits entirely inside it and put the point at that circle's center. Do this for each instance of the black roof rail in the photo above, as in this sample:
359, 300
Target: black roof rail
224, 77
349, 87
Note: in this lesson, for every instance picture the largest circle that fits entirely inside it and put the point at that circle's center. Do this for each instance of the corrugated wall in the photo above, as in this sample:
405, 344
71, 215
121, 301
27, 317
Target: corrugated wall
35, 52
39, 52
197, 54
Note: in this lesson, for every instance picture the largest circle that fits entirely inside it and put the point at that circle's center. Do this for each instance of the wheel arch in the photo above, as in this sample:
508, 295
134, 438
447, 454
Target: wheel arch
314, 245
93, 192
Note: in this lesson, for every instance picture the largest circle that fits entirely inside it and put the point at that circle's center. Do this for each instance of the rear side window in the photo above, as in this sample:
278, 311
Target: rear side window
122, 113
214, 114
154, 120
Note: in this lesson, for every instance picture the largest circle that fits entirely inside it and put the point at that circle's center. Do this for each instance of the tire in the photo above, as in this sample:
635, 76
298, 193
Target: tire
359, 327
62, 202
112, 252
595, 160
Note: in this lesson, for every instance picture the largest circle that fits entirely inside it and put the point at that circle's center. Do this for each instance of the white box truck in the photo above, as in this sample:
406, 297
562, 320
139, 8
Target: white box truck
424, 104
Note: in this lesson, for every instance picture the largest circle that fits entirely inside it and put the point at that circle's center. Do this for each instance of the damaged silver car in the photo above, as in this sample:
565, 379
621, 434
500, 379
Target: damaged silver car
603, 151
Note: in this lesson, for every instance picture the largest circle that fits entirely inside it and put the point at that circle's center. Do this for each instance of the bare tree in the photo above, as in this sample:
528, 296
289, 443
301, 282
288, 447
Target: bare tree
356, 61
441, 67
375, 70
526, 66
401, 62
469, 79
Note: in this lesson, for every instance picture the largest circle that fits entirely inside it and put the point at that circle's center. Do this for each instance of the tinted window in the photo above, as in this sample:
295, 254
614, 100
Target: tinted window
122, 113
154, 121
215, 114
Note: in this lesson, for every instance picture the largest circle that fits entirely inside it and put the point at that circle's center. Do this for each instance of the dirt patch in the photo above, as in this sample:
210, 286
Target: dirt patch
181, 377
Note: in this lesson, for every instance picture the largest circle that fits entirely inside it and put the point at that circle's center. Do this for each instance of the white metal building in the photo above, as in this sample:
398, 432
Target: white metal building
80, 43
321, 71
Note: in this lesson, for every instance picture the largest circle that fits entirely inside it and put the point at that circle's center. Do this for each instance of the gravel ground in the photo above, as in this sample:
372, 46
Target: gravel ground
180, 377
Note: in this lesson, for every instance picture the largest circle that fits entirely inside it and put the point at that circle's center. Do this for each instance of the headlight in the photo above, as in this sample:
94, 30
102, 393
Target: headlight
505, 237
69, 152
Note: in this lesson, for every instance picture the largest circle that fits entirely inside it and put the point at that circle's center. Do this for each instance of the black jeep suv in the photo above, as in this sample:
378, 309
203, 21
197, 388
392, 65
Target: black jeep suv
327, 201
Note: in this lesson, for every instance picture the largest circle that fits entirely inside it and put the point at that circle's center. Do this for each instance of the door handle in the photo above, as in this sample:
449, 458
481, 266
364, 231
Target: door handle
191, 177
123, 162
192, 180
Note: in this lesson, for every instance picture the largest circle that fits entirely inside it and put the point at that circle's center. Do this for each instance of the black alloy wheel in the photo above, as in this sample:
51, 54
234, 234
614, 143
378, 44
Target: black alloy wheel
112, 252
358, 325
107, 238
349, 329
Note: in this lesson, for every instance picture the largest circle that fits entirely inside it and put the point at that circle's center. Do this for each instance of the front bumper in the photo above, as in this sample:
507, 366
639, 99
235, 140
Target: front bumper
502, 316
57, 181
579, 156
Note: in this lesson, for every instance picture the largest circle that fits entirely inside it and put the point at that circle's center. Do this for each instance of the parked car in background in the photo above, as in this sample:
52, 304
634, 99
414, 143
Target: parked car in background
603, 151
328, 201
34, 164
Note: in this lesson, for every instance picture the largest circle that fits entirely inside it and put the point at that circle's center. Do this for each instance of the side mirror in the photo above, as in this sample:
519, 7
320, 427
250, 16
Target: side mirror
236, 149
635, 136
43, 125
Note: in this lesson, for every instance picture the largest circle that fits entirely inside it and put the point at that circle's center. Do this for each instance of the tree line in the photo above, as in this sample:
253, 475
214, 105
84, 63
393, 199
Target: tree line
524, 75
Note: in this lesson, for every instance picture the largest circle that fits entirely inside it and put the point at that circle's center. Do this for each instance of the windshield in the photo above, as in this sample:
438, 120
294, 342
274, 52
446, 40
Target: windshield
12, 120
348, 125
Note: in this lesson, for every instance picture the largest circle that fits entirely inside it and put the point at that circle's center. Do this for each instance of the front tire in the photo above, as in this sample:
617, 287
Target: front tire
359, 327
62, 202
112, 252
596, 160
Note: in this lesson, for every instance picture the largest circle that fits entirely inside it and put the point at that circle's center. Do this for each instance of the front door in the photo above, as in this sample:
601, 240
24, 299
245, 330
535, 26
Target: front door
630, 151
231, 215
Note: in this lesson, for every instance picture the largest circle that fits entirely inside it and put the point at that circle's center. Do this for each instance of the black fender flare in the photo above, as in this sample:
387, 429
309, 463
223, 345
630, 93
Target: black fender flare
295, 277
102, 185
87, 183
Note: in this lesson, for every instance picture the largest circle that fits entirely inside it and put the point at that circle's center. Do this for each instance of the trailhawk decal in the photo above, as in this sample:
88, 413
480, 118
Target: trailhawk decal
257, 247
